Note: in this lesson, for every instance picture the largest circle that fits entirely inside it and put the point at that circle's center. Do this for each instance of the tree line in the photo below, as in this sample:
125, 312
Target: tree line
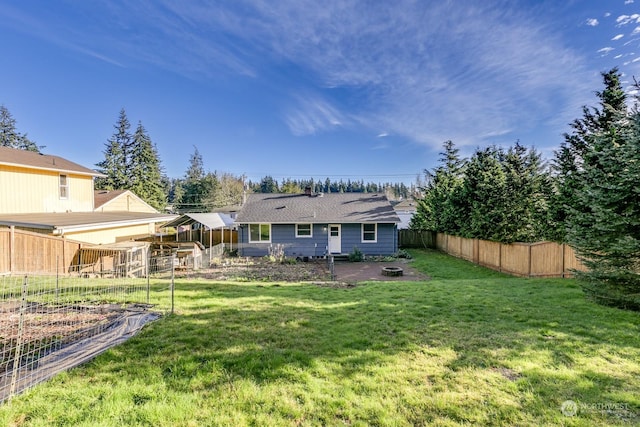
586, 196
269, 185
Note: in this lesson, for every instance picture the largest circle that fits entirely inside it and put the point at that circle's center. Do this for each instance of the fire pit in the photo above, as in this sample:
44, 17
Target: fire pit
392, 271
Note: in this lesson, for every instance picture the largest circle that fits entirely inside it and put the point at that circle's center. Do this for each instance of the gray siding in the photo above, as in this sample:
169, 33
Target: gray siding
387, 241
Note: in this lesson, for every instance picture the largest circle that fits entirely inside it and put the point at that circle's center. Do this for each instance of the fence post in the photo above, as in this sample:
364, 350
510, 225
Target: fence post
173, 275
18, 354
148, 273
57, 279
332, 268
12, 249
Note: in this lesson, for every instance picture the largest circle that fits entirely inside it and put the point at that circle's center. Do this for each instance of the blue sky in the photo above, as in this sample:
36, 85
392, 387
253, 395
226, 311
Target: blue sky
293, 88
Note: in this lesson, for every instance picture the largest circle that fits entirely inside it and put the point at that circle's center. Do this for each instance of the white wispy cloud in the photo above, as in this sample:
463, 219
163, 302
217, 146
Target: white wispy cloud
312, 115
468, 71
592, 22
617, 37
605, 50
628, 19
628, 2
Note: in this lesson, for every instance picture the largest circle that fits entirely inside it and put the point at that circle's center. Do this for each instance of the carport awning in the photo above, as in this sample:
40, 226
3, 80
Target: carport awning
211, 220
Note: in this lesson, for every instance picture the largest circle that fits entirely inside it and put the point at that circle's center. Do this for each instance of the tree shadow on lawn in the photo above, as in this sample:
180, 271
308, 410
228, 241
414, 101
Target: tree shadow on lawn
559, 346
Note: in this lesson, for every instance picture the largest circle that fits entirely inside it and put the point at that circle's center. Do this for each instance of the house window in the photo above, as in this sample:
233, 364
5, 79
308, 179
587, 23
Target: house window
259, 233
64, 187
304, 230
369, 233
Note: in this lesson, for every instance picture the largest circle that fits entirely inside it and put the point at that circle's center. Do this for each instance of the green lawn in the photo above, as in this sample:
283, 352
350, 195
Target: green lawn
469, 347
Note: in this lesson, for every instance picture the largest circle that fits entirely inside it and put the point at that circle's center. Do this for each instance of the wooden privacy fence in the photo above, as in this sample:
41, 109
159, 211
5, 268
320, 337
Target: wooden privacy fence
416, 239
25, 251
541, 259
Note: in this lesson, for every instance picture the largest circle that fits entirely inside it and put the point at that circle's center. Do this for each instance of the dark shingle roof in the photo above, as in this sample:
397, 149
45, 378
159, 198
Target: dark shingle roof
22, 158
300, 208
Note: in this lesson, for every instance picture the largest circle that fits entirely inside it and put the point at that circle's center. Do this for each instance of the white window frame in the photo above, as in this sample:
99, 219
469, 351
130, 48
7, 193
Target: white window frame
304, 236
260, 225
375, 233
63, 187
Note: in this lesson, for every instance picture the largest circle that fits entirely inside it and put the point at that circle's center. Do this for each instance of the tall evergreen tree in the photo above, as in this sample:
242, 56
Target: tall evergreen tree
145, 171
439, 209
268, 185
484, 190
195, 188
604, 217
570, 157
116, 157
10, 137
527, 186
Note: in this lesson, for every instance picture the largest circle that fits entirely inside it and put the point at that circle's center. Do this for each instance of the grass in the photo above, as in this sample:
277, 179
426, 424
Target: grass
469, 347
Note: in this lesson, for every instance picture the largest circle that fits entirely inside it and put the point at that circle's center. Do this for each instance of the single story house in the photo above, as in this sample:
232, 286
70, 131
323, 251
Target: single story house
317, 225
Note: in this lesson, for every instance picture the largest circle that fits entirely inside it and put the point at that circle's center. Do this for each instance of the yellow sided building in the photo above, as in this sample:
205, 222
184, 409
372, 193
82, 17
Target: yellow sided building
51, 195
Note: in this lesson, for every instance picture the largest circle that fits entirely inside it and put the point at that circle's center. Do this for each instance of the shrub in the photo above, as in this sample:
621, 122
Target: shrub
402, 253
356, 255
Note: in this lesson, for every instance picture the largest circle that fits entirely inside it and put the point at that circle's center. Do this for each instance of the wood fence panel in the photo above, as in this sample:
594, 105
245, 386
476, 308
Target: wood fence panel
416, 239
489, 254
441, 242
5, 247
546, 260
467, 249
571, 261
515, 259
454, 244
35, 252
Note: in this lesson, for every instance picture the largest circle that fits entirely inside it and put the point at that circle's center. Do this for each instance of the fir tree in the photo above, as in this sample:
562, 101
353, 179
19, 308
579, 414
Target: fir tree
195, 189
570, 157
116, 157
10, 137
145, 171
439, 209
604, 218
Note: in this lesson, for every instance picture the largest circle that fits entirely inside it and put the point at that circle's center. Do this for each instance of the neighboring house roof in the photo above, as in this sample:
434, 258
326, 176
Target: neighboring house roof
211, 220
318, 208
61, 223
29, 159
102, 198
405, 220
407, 205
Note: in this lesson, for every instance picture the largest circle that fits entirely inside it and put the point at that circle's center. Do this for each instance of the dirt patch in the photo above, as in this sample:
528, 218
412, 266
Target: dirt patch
260, 270
347, 274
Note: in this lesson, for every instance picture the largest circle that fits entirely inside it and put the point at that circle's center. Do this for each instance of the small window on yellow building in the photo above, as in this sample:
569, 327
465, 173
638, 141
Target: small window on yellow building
64, 187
